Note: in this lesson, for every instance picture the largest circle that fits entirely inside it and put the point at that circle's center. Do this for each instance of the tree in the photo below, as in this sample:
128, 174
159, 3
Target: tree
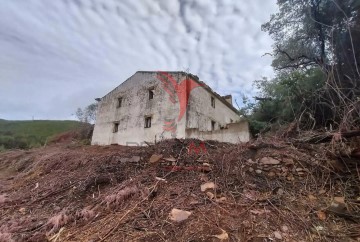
319, 35
289, 97
80, 115
88, 114
306, 31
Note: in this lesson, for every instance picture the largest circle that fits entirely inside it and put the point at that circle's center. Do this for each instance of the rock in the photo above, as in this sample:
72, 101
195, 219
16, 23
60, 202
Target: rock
322, 191
338, 205
258, 171
210, 195
288, 161
340, 200
251, 169
290, 178
277, 235
171, 159
284, 228
155, 158
219, 200
179, 215
280, 192
123, 159
269, 161
194, 202
321, 215
250, 161
22, 210
222, 236
207, 185
271, 174
133, 159
299, 169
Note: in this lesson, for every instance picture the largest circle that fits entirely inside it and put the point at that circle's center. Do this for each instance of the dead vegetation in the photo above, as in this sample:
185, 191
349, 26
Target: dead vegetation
266, 190
3, 198
5, 237
58, 221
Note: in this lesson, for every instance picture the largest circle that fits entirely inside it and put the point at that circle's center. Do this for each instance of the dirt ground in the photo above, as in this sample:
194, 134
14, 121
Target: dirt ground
267, 190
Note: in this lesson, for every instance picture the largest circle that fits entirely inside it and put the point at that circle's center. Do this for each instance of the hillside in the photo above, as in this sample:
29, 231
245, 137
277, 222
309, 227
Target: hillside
28, 133
260, 191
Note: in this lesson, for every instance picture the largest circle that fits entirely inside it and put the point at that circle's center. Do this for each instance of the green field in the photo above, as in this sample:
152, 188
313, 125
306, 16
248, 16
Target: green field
29, 134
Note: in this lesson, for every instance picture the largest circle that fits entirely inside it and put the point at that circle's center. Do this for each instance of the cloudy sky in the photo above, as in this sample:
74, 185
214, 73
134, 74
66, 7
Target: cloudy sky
59, 55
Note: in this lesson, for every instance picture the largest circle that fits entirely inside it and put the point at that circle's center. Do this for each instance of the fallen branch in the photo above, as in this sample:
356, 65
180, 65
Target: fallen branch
322, 138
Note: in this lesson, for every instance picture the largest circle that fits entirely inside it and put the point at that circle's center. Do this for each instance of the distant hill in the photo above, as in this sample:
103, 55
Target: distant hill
29, 134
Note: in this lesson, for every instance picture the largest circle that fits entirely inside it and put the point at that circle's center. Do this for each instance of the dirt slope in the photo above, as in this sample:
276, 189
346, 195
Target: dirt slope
263, 191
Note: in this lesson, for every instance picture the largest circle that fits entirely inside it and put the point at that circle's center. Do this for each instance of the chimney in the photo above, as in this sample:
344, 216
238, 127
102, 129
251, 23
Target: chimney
228, 98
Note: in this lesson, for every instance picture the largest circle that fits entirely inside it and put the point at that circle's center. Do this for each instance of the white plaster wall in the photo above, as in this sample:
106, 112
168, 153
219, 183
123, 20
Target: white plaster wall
233, 133
229, 126
196, 122
131, 115
200, 113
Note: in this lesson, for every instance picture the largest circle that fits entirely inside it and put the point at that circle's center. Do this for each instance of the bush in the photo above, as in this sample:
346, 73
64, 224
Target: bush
285, 97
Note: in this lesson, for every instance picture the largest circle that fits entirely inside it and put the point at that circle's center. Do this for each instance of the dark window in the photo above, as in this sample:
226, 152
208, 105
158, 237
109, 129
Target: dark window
151, 94
212, 125
116, 127
147, 122
119, 102
213, 102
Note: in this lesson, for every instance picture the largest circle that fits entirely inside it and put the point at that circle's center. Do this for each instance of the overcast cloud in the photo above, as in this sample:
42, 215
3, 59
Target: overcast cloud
59, 55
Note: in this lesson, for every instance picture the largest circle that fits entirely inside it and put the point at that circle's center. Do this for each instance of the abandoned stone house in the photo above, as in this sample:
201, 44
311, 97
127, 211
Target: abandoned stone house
151, 106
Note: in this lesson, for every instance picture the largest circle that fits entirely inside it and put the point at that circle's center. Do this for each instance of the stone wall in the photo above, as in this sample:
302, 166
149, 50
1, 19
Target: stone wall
201, 113
233, 133
136, 106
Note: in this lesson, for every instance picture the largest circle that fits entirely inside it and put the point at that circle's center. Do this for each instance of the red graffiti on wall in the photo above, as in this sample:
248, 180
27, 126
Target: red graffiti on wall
181, 92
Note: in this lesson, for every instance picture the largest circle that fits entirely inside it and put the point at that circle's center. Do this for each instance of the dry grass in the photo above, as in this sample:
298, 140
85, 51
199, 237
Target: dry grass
57, 221
86, 213
135, 206
120, 196
3, 198
6, 237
